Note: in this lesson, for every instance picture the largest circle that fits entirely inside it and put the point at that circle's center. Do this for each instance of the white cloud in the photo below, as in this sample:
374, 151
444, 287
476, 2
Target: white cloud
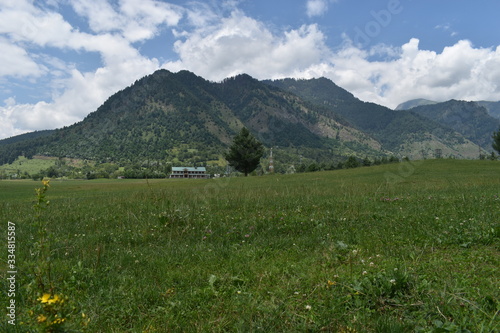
11, 101
7, 126
201, 14
136, 20
17, 62
446, 28
459, 71
114, 30
316, 7
239, 44
34, 26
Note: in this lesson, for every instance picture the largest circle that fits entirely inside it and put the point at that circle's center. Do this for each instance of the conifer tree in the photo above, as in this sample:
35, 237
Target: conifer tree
496, 141
245, 152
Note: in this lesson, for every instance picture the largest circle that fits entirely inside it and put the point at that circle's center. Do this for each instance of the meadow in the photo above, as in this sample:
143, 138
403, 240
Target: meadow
409, 247
24, 165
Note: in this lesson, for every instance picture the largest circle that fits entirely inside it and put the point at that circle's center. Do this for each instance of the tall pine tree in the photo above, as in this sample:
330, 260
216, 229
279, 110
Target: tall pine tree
496, 141
245, 152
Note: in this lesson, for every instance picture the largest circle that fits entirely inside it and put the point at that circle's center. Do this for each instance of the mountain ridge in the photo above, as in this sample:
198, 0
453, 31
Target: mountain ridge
493, 108
403, 132
469, 118
183, 117
414, 103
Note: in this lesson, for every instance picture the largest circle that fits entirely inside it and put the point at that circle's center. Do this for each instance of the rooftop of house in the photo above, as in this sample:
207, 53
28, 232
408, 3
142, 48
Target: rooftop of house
189, 169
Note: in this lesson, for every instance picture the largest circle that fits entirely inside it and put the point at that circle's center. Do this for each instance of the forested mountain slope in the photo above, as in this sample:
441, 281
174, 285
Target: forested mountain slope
169, 116
180, 113
468, 118
402, 132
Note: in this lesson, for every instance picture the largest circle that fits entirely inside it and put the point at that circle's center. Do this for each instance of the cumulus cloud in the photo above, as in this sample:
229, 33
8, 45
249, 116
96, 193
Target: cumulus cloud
136, 20
240, 44
459, 71
17, 62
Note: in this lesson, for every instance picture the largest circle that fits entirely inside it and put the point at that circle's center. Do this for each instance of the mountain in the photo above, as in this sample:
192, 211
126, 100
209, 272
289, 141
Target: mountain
492, 107
22, 144
401, 132
468, 118
181, 117
414, 103
26, 136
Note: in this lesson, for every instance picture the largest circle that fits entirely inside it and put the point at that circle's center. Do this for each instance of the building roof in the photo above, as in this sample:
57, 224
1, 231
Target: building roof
182, 169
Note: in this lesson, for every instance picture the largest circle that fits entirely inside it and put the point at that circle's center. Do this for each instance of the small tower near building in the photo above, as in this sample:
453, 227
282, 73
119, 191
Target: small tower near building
271, 162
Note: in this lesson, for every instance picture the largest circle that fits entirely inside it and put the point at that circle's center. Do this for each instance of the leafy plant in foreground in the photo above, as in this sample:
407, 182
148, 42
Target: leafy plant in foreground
47, 309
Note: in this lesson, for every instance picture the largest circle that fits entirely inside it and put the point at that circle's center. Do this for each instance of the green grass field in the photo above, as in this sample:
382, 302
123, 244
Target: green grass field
409, 247
25, 165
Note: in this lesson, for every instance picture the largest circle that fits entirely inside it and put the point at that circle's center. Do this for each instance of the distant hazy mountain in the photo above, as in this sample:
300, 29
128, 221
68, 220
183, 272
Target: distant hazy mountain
493, 108
468, 118
414, 103
169, 116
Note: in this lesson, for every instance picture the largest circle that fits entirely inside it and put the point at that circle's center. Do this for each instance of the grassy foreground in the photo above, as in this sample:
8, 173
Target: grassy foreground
410, 247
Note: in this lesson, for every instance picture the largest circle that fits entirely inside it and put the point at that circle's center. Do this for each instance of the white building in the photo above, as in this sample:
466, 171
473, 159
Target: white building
189, 172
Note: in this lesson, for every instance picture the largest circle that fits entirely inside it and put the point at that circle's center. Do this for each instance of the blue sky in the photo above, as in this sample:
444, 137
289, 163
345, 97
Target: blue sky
61, 59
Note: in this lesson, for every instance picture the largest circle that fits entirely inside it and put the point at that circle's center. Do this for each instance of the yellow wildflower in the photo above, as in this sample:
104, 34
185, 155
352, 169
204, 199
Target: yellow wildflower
54, 299
47, 298
41, 318
331, 283
44, 298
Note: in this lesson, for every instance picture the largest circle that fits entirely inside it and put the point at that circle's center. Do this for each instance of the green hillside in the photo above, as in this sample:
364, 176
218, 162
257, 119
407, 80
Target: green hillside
166, 114
26, 136
26, 166
468, 118
169, 118
410, 247
401, 132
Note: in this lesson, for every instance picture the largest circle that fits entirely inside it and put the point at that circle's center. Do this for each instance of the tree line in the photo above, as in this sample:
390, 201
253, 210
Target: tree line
244, 155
